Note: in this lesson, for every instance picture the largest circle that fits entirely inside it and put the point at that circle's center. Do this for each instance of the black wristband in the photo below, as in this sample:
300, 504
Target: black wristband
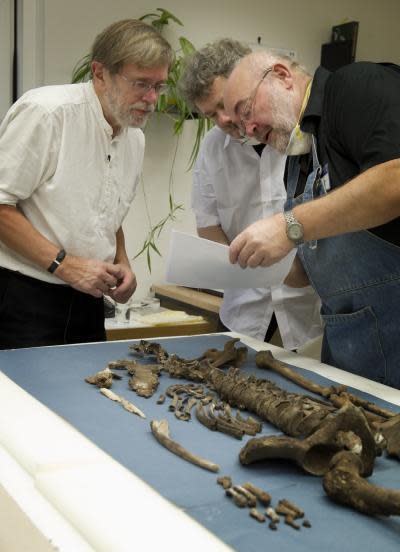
57, 261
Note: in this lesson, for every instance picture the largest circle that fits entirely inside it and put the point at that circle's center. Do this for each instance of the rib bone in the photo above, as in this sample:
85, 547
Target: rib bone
160, 430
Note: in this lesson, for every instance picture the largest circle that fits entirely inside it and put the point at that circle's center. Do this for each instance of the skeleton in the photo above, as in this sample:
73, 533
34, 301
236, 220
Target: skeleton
322, 439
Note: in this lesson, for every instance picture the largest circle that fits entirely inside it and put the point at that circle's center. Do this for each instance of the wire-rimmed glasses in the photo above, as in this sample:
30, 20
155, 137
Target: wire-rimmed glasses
143, 87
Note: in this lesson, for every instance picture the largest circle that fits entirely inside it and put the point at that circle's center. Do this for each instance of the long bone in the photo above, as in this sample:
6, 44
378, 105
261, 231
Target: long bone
343, 483
160, 430
265, 359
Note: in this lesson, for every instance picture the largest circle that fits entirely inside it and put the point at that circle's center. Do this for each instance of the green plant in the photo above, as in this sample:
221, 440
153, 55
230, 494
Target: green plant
170, 104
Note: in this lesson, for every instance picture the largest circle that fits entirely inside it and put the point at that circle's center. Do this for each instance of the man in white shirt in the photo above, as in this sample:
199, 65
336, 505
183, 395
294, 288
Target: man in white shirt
235, 184
71, 157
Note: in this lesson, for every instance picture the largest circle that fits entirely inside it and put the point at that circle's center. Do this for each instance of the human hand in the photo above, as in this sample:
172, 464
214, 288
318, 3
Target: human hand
89, 275
263, 243
125, 286
297, 276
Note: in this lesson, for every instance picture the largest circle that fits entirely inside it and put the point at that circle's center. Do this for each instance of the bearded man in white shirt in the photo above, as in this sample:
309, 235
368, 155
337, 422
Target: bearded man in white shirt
70, 160
236, 183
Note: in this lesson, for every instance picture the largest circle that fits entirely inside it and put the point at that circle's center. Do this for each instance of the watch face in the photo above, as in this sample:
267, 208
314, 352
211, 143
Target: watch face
295, 231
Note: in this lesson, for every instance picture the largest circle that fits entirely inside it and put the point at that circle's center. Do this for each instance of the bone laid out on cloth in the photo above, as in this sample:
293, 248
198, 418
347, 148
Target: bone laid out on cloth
160, 430
314, 453
265, 360
344, 484
126, 404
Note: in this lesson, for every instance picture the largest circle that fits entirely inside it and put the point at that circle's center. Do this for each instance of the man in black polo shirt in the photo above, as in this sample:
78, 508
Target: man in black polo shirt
344, 196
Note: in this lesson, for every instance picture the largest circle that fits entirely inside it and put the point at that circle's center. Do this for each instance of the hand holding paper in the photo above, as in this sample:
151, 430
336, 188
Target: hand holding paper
195, 262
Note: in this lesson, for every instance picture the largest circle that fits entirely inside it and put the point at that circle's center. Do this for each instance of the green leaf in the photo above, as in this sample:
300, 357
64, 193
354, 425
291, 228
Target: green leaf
186, 46
153, 246
82, 69
167, 15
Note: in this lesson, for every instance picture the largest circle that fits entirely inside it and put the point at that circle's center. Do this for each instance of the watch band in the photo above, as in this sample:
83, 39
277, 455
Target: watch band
57, 261
289, 217
294, 228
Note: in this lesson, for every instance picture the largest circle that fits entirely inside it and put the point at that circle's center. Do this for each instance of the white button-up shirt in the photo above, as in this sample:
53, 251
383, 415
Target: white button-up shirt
233, 187
60, 165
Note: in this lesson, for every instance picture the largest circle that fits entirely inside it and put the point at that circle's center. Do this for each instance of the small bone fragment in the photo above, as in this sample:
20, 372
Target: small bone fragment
189, 405
225, 481
282, 510
273, 516
251, 499
126, 404
160, 430
256, 514
289, 520
272, 525
130, 407
238, 499
110, 394
291, 506
101, 379
263, 496
161, 399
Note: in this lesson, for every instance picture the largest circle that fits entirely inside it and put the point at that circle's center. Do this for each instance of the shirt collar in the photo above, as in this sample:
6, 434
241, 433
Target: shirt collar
227, 141
96, 106
313, 110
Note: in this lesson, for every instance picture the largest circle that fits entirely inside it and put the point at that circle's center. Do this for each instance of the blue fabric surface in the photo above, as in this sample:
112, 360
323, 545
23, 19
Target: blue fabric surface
55, 376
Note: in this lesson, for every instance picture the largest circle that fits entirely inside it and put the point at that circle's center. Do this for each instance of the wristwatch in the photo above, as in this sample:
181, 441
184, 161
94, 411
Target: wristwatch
57, 261
294, 228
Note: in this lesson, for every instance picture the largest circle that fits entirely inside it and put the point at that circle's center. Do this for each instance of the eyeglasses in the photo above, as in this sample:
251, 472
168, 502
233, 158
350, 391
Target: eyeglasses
247, 110
142, 87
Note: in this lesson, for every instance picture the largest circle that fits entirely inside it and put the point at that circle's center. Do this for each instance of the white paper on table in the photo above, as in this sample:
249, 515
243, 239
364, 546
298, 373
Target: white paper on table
200, 263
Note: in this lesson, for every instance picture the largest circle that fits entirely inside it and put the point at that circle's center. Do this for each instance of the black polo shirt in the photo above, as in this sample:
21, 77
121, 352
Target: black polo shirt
355, 115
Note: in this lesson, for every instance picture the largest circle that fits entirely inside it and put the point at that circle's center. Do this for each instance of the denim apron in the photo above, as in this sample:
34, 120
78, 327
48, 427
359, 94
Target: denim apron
357, 276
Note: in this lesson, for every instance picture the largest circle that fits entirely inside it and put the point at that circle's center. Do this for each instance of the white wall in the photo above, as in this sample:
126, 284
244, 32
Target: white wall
6, 48
301, 25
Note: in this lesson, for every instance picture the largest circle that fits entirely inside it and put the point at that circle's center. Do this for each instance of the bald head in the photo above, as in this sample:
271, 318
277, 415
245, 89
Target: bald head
263, 96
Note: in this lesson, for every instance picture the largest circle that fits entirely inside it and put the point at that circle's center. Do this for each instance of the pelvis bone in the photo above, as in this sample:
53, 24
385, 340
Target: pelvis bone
347, 429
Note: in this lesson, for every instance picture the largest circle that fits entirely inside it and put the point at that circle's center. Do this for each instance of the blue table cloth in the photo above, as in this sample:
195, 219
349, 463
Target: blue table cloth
55, 376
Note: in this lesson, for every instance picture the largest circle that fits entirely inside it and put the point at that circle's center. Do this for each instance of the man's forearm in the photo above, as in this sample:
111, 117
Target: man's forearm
19, 235
369, 200
121, 256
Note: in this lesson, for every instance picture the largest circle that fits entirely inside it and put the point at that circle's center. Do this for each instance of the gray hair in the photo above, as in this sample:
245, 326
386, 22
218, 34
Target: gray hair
131, 41
216, 59
260, 60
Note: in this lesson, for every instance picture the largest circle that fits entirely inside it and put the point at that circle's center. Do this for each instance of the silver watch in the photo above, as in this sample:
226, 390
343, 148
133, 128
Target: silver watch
294, 228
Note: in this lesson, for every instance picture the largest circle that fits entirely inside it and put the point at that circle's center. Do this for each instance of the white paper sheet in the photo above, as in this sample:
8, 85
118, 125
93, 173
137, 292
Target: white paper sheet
195, 262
